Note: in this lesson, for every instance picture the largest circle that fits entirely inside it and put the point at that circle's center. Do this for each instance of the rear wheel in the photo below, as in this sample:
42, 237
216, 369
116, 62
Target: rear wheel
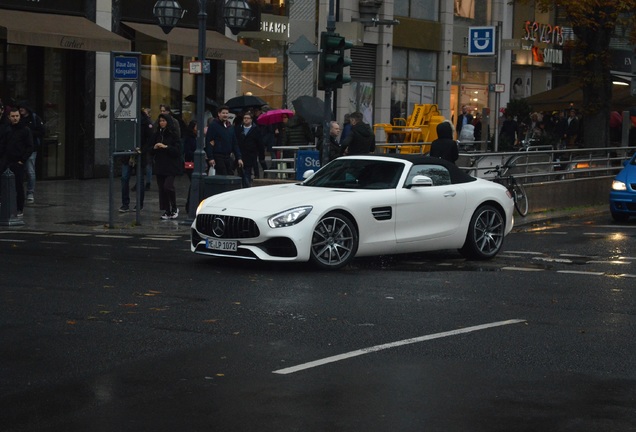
521, 199
334, 241
485, 234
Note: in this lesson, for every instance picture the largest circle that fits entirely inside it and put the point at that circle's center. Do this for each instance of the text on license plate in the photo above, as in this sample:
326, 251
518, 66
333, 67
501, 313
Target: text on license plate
223, 245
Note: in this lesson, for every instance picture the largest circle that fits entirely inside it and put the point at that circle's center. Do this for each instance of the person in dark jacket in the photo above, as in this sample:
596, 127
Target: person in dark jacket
35, 123
250, 142
166, 151
221, 144
16, 146
297, 133
445, 146
361, 139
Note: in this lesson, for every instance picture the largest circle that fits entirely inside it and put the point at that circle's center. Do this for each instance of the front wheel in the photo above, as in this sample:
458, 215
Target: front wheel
485, 234
521, 199
334, 241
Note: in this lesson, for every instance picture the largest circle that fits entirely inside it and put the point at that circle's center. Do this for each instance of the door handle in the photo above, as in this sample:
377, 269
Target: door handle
449, 194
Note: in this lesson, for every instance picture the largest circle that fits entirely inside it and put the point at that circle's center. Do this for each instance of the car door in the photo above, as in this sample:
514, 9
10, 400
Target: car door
425, 213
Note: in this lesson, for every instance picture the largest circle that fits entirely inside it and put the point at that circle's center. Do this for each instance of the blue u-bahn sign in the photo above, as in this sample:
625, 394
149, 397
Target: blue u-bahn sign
481, 41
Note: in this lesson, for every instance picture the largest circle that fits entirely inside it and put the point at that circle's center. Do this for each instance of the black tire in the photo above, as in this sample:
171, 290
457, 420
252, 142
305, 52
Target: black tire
620, 217
485, 234
521, 199
334, 242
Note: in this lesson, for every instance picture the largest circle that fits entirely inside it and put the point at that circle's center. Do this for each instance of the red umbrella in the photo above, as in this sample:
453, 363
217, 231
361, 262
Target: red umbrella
274, 116
616, 119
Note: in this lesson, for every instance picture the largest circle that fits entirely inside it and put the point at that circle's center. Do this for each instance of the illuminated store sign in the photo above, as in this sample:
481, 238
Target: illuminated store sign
546, 34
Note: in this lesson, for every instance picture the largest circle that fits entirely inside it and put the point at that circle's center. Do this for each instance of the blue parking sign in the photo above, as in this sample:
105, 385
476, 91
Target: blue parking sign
481, 41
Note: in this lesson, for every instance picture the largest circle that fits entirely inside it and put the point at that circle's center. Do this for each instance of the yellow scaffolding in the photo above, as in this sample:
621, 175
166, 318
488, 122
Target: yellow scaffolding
420, 127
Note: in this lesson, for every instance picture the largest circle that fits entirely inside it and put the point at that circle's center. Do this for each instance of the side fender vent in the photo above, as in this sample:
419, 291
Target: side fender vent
382, 213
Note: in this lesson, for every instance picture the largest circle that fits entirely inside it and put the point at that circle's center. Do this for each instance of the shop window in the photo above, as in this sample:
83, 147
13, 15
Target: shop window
422, 65
418, 9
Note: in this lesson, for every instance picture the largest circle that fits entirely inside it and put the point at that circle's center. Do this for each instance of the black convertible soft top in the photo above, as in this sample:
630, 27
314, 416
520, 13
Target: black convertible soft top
457, 175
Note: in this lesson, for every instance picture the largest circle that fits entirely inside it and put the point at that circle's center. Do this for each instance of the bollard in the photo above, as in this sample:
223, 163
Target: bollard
8, 203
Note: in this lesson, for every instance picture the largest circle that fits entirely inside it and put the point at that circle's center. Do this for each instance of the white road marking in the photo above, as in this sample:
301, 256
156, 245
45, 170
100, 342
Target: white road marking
524, 252
161, 238
581, 272
627, 275
114, 236
23, 232
607, 262
526, 269
13, 241
558, 260
70, 234
376, 348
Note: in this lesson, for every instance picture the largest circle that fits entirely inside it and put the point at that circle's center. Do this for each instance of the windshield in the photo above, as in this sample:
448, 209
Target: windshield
358, 174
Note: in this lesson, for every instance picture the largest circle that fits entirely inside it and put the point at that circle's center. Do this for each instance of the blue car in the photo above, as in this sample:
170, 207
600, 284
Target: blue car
623, 194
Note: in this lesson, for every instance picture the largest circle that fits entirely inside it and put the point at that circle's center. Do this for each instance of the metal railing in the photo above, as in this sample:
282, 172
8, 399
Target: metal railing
531, 164
538, 164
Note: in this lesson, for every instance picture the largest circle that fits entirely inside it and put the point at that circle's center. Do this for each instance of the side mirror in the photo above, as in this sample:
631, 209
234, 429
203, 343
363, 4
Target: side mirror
308, 174
420, 180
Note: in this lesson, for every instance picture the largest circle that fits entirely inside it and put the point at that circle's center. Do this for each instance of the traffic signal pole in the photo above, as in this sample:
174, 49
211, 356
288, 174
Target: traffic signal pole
331, 29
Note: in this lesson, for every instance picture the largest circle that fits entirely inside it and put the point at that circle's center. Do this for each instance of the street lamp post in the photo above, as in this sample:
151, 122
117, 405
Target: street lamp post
237, 15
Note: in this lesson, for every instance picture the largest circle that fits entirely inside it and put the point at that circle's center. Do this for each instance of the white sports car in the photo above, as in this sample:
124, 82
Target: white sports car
358, 206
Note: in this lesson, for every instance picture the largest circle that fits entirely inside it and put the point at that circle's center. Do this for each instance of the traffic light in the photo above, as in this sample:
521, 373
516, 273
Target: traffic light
333, 61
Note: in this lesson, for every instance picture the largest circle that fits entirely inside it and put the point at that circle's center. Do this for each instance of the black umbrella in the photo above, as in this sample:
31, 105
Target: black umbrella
311, 108
245, 101
208, 101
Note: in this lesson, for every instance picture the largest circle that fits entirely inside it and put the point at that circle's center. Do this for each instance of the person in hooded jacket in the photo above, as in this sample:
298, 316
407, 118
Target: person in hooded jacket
361, 139
445, 146
16, 146
166, 150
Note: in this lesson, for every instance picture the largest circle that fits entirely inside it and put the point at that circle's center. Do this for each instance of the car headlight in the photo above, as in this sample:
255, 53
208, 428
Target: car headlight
618, 186
289, 217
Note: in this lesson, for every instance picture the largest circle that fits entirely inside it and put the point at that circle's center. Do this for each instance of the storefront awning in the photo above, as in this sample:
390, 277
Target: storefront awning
58, 31
184, 42
571, 95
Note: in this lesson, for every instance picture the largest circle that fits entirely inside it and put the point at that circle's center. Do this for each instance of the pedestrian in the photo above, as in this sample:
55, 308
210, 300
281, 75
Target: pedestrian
334, 144
346, 127
166, 151
35, 123
478, 127
221, 144
361, 139
146, 159
267, 135
4, 118
572, 130
189, 147
463, 119
250, 141
16, 146
509, 132
445, 146
129, 165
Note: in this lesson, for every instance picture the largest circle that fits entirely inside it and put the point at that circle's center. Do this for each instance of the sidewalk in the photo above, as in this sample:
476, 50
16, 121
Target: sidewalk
81, 206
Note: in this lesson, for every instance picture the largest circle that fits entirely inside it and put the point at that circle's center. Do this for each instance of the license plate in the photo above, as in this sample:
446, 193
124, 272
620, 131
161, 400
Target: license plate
222, 245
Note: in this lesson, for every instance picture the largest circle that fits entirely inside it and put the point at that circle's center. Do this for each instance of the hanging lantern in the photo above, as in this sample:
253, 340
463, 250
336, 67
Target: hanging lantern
168, 13
237, 14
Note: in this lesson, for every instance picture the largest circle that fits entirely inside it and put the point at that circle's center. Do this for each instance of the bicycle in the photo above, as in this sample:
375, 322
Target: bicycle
519, 196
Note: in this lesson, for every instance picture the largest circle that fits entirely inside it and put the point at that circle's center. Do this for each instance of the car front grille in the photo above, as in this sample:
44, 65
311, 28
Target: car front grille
221, 226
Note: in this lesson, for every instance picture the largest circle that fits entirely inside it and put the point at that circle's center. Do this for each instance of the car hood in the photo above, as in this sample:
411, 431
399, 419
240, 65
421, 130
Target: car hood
274, 198
628, 174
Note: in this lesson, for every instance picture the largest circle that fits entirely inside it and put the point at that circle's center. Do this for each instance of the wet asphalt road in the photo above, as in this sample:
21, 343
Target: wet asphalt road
134, 333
